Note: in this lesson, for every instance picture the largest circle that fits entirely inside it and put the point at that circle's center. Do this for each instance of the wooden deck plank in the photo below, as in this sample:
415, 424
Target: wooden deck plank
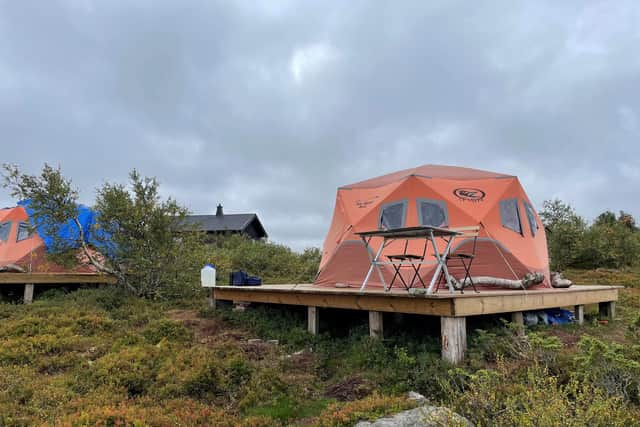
531, 300
441, 304
354, 300
54, 278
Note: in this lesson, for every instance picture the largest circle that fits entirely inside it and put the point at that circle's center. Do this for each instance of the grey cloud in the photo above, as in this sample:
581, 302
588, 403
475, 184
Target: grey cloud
269, 107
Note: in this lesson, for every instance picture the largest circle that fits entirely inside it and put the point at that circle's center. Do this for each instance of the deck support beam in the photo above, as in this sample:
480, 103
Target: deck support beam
607, 309
517, 318
578, 313
453, 333
212, 299
376, 327
313, 320
28, 293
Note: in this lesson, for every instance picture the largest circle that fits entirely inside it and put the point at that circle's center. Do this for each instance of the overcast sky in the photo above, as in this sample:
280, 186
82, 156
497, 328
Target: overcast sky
269, 108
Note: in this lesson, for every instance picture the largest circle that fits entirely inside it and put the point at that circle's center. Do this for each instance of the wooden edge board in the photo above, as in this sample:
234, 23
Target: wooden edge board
458, 305
354, 301
54, 278
312, 289
488, 304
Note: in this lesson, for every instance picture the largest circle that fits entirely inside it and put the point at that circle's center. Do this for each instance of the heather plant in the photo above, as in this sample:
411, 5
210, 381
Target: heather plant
610, 367
531, 396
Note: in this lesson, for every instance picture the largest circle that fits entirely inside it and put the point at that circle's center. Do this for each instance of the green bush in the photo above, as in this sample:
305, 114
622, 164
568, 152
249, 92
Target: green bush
510, 342
609, 366
133, 369
532, 397
274, 263
164, 329
609, 242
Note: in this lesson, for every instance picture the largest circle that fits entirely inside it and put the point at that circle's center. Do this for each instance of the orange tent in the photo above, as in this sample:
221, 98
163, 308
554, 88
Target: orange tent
20, 247
511, 243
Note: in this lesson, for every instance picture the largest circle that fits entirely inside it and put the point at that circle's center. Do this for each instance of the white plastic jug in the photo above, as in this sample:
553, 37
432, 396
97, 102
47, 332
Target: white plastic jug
208, 276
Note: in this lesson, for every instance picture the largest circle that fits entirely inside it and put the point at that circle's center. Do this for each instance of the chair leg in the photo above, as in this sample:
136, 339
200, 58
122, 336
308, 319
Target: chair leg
416, 274
402, 280
467, 275
397, 269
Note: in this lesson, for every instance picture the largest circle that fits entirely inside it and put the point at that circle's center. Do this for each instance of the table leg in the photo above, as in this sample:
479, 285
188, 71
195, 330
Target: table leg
441, 264
377, 267
373, 265
443, 259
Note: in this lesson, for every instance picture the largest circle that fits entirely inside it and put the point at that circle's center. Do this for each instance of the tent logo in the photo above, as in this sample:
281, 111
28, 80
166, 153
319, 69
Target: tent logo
470, 194
364, 203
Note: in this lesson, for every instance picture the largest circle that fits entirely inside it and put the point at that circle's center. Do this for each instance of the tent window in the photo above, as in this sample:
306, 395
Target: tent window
23, 231
531, 217
433, 213
392, 215
5, 228
510, 215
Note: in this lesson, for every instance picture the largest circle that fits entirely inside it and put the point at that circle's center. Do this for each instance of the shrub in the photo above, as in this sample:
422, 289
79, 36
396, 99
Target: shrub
609, 366
533, 397
273, 262
369, 408
133, 369
145, 411
511, 343
205, 373
164, 329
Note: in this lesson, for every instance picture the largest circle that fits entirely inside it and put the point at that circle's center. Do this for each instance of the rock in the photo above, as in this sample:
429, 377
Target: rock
423, 416
416, 397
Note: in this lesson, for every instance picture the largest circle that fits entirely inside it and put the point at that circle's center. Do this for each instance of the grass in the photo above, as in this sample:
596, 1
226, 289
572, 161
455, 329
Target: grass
99, 357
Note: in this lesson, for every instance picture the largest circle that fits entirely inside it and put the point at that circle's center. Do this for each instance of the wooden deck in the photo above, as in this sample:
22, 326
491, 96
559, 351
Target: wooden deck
399, 301
29, 280
54, 278
452, 308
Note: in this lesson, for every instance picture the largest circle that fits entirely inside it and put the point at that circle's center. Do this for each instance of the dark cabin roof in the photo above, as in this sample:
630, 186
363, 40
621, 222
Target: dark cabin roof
238, 223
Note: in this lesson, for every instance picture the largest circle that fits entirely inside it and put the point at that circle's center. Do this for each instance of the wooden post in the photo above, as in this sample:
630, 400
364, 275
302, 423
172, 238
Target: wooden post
453, 333
607, 309
212, 299
376, 329
579, 314
28, 293
313, 320
517, 317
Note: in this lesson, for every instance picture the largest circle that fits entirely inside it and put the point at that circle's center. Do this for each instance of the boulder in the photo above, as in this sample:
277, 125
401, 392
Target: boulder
422, 416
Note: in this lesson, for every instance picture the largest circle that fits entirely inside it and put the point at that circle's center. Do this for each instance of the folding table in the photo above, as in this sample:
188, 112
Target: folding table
428, 233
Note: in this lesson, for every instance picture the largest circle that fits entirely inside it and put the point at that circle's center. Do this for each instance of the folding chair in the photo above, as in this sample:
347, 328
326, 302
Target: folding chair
412, 260
462, 259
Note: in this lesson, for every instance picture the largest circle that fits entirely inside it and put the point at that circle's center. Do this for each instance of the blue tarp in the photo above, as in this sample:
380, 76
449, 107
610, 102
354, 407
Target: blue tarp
68, 232
552, 316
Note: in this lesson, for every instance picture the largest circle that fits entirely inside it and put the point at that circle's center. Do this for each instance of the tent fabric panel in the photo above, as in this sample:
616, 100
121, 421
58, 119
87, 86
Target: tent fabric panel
473, 197
349, 265
529, 250
339, 226
360, 203
431, 172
